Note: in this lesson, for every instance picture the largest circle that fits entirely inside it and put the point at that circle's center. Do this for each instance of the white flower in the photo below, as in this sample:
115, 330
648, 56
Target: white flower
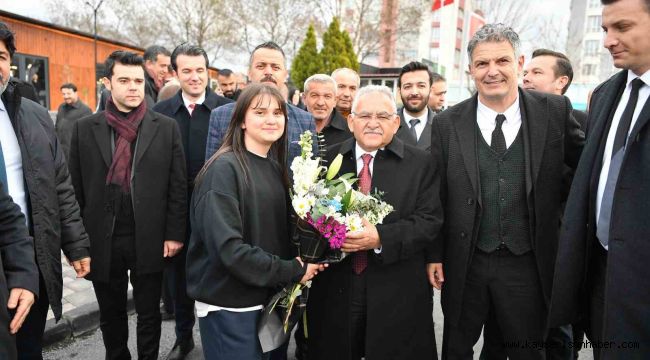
353, 222
301, 205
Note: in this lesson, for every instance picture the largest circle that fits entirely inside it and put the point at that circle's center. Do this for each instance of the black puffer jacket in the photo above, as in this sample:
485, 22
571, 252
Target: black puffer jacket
55, 220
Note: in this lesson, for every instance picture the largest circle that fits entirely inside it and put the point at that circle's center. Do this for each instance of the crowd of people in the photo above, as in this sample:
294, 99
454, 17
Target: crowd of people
528, 215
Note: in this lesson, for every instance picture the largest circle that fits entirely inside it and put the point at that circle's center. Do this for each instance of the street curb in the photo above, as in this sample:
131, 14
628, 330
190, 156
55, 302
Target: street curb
77, 322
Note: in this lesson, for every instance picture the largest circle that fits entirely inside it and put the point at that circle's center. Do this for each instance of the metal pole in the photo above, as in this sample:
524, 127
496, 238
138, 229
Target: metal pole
95, 9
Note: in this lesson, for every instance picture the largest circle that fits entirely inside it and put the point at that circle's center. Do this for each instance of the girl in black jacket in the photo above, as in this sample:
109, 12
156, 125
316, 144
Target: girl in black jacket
239, 250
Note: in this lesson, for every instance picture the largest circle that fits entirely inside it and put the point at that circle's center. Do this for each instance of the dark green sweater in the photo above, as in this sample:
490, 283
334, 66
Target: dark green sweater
239, 249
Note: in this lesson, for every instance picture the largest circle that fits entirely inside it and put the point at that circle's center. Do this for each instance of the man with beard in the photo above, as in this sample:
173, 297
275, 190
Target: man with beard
69, 112
37, 179
414, 84
320, 99
438, 92
156, 64
228, 84
267, 65
347, 84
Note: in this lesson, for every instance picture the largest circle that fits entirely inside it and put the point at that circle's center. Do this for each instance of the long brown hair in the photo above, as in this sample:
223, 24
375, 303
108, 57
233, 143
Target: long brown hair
233, 141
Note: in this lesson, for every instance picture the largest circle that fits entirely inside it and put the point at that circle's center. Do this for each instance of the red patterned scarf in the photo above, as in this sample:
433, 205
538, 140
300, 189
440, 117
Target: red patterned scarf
127, 131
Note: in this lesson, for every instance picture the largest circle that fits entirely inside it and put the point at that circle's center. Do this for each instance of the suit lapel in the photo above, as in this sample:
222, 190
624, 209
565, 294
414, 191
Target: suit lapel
102, 134
465, 125
147, 132
534, 130
404, 131
641, 121
425, 139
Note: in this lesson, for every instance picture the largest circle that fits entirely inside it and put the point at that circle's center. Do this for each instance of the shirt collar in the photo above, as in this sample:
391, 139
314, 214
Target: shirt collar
358, 151
631, 76
510, 113
187, 102
2, 106
408, 117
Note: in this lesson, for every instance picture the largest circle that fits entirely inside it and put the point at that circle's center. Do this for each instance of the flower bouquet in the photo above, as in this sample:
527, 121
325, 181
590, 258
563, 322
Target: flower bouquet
325, 209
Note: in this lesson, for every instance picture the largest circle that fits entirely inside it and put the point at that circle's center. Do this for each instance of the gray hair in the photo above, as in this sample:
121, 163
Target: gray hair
374, 89
494, 33
320, 79
340, 70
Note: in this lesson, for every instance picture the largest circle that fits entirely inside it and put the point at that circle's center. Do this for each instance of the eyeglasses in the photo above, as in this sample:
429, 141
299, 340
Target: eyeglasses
381, 117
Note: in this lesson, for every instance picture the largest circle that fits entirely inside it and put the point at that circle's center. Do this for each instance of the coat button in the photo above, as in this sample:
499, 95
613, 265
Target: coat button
470, 201
462, 234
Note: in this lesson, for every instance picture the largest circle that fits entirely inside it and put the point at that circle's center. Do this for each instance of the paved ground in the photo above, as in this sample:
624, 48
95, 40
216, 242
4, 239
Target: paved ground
90, 346
76, 292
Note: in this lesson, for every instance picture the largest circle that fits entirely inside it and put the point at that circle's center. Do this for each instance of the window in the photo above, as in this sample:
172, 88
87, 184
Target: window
593, 23
459, 33
594, 4
592, 47
457, 57
33, 70
435, 34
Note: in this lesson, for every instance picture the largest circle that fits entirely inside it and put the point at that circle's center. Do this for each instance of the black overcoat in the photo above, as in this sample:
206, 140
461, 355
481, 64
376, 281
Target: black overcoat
552, 140
627, 289
158, 189
399, 297
17, 266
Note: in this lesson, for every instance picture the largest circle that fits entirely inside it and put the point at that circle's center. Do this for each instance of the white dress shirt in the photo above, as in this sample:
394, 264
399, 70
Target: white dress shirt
486, 119
358, 153
187, 102
644, 93
419, 127
13, 161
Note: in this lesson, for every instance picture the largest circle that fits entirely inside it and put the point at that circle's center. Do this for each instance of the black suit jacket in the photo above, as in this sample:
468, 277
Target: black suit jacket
194, 129
627, 314
398, 292
158, 189
337, 130
17, 265
404, 131
552, 138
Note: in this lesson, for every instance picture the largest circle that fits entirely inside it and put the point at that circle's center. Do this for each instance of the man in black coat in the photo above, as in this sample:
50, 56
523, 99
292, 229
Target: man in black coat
603, 253
156, 66
71, 110
191, 108
18, 272
377, 302
550, 72
414, 82
501, 155
320, 99
128, 171
39, 182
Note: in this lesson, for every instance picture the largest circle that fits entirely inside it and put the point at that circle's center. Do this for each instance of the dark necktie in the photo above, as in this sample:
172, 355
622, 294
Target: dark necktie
414, 122
498, 143
360, 258
618, 150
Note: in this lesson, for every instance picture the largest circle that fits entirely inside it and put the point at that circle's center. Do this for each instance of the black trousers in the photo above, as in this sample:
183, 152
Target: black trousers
112, 298
597, 301
183, 305
507, 286
559, 342
358, 315
29, 340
